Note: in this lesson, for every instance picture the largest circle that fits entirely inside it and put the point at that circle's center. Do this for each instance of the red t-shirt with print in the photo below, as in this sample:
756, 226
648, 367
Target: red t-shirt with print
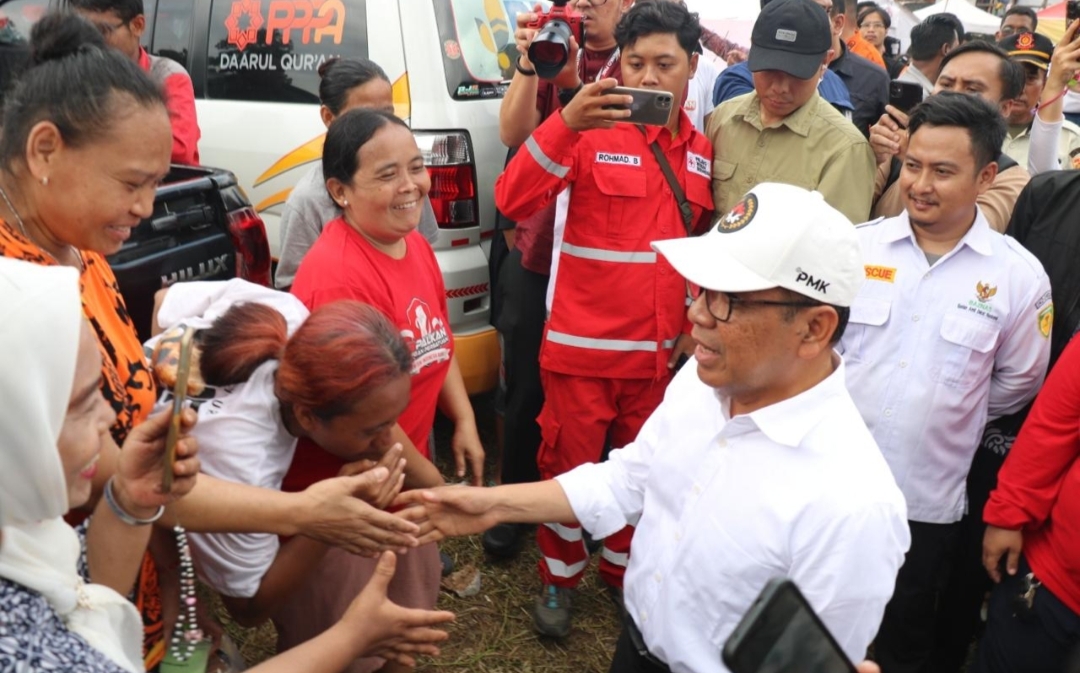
410, 292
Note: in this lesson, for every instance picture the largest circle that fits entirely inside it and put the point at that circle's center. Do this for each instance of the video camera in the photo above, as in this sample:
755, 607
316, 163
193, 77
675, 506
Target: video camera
550, 49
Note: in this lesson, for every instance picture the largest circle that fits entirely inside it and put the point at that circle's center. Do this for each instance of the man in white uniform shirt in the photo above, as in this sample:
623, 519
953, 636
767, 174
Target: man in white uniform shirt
950, 330
755, 465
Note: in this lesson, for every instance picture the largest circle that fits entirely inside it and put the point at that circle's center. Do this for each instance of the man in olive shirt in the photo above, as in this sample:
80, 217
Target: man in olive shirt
784, 131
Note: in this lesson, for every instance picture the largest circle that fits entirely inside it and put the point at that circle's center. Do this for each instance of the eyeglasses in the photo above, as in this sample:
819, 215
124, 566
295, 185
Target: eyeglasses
107, 29
721, 304
596, 3
873, 26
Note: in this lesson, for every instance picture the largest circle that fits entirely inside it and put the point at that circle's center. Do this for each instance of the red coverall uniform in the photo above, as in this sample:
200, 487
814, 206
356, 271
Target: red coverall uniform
617, 308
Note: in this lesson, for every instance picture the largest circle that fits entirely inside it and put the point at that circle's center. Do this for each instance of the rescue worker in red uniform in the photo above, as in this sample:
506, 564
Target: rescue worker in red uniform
617, 312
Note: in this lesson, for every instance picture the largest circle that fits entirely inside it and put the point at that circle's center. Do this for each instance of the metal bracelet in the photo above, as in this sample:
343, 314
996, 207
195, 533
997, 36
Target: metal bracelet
130, 520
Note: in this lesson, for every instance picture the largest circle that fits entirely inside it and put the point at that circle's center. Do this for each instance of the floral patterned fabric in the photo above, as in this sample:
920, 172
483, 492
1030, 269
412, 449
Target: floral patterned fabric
33, 638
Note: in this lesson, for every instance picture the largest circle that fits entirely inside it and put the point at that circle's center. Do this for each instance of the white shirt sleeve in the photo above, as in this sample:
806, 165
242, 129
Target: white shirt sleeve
847, 569
1043, 146
1021, 361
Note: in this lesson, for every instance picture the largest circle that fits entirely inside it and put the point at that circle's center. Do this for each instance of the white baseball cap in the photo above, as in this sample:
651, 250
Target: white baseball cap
776, 236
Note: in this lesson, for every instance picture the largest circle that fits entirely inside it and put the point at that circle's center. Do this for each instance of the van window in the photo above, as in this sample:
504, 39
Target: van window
271, 50
172, 30
17, 17
478, 47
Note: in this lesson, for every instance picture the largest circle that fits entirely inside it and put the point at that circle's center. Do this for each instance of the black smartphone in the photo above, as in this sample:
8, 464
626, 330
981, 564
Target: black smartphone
1072, 11
780, 633
649, 107
904, 95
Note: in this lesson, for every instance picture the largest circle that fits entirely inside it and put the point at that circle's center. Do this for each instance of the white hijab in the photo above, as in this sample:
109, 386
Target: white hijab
40, 320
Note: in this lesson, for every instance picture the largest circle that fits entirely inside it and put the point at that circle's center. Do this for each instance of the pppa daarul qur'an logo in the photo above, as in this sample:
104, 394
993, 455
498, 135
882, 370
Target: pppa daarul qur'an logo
244, 23
316, 19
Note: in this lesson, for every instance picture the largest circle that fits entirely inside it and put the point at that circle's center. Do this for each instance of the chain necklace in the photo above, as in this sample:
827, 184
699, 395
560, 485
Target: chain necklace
22, 230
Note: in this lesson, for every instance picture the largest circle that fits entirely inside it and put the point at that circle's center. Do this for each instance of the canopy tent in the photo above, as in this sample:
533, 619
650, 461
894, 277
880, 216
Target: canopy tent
974, 19
734, 19
1052, 22
731, 19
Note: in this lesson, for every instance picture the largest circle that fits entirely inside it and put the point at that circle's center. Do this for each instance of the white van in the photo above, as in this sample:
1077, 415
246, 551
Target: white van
254, 67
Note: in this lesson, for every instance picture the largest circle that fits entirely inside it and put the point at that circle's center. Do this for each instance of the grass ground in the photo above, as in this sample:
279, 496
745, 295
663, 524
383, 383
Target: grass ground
493, 632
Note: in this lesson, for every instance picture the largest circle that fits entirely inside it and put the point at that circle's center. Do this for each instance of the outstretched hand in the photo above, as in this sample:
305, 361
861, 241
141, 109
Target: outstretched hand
449, 511
337, 515
391, 631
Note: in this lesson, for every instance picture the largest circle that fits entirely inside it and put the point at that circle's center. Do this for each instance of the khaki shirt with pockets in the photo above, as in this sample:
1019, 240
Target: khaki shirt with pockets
815, 147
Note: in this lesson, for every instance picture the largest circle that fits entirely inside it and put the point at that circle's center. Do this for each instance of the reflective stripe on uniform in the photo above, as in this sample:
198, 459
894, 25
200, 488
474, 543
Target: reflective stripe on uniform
607, 344
545, 162
565, 532
614, 558
559, 569
601, 344
601, 255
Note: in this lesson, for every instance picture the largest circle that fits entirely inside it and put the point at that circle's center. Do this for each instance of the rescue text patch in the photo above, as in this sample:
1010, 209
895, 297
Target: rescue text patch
883, 273
618, 159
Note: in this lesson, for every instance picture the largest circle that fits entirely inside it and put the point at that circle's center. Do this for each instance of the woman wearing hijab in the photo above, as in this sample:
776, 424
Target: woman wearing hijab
54, 423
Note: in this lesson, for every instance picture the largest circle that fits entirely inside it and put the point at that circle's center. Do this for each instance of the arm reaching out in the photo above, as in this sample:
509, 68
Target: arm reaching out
373, 626
452, 511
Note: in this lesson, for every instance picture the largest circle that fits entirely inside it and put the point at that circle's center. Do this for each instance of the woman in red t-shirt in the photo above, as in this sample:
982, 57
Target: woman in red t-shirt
373, 253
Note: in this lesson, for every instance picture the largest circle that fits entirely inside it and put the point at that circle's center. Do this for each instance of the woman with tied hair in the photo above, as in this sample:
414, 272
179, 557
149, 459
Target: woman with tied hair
54, 424
86, 140
373, 253
346, 84
271, 375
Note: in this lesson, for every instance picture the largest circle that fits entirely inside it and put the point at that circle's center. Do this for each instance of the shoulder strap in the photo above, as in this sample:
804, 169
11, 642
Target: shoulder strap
1005, 162
680, 196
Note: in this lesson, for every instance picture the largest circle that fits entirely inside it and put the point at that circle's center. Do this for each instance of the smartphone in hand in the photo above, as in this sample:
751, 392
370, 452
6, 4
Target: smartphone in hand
904, 96
179, 392
1072, 12
780, 633
649, 107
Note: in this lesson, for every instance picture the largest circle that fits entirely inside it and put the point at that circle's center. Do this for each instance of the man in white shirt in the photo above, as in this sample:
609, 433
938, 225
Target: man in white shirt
755, 465
951, 329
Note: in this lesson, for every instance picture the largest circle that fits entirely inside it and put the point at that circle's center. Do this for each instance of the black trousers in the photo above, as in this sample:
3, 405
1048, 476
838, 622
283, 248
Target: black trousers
628, 660
906, 639
959, 613
1044, 642
521, 324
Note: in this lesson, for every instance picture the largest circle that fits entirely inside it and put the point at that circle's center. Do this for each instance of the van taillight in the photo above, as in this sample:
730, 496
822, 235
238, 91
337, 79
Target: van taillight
252, 249
448, 157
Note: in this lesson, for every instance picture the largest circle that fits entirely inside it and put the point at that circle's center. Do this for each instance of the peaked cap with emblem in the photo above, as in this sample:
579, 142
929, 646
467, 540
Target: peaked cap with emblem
792, 36
776, 236
1033, 48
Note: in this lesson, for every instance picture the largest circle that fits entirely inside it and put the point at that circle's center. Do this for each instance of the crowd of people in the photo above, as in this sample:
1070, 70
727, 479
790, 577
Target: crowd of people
795, 331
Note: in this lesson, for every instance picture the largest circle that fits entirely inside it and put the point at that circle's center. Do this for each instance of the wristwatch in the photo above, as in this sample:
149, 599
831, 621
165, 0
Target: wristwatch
567, 95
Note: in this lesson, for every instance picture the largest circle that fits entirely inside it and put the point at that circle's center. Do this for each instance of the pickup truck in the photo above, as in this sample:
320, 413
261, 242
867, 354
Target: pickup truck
203, 228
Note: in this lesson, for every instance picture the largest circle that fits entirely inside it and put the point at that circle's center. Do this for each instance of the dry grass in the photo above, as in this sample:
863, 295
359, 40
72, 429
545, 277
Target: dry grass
493, 632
